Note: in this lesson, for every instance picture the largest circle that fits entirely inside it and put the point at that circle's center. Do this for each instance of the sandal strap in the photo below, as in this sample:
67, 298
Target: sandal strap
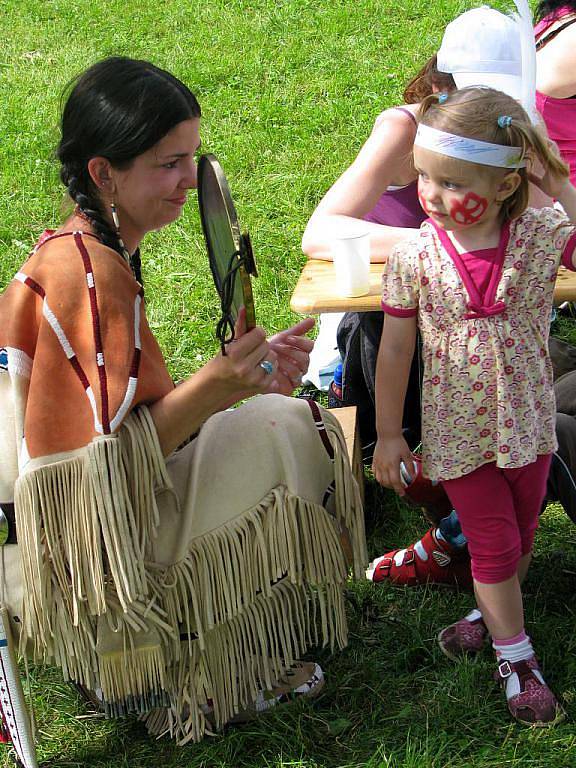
428, 559
408, 563
524, 669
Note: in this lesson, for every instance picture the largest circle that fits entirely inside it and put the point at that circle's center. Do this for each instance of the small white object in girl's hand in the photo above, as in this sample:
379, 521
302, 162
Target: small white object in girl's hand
405, 476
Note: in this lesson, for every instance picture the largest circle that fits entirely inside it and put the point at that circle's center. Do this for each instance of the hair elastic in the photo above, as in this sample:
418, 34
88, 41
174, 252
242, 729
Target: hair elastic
504, 121
442, 97
472, 150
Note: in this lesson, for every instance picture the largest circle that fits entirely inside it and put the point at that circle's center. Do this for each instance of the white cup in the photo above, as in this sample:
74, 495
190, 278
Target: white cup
351, 254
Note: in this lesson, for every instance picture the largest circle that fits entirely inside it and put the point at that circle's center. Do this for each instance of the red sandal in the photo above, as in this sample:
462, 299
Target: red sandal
429, 560
534, 704
463, 638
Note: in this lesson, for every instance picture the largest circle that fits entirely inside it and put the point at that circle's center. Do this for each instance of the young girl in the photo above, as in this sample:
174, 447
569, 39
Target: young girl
478, 280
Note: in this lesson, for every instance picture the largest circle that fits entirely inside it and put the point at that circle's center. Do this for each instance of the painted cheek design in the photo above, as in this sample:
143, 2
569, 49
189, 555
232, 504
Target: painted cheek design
469, 210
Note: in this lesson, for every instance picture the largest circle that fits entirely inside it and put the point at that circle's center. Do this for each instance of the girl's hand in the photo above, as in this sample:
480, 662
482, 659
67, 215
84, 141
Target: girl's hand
292, 350
551, 183
388, 454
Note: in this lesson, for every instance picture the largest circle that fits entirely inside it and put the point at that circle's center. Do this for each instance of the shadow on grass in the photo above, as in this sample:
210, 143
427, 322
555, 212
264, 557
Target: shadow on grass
391, 700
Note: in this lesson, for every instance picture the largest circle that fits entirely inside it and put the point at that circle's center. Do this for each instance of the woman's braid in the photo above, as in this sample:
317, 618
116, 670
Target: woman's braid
81, 193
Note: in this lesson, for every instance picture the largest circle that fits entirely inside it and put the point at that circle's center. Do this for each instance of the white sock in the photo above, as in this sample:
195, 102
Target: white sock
513, 652
474, 615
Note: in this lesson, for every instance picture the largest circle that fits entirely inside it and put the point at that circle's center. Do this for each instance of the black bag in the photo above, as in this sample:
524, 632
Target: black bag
358, 341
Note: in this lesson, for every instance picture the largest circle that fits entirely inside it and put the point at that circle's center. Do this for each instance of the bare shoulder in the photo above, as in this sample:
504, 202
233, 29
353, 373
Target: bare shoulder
392, 137
564, 42
556, 63
400, 121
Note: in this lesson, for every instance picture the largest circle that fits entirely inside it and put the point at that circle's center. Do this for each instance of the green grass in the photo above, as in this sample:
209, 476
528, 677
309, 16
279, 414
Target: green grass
289, 91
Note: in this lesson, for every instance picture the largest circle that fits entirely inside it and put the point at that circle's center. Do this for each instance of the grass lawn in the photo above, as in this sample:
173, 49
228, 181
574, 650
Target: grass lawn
289, 90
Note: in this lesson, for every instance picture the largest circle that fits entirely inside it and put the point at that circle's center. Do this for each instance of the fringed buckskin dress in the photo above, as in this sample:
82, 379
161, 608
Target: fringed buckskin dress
176, 586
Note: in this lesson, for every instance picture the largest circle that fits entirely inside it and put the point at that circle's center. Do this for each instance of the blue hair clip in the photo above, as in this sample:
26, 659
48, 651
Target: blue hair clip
442, 97
504, 121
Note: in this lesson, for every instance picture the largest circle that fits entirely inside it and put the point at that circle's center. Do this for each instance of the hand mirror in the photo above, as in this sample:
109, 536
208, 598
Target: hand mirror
229, 251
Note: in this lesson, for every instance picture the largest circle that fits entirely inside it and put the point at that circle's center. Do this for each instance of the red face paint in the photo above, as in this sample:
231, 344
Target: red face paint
423, 203
469, 210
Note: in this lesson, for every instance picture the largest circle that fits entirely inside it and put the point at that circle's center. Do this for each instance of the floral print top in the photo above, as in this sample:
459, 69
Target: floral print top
487, 391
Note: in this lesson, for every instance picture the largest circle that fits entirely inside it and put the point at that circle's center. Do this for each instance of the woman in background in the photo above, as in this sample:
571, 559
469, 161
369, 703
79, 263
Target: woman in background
480, 47
555, 33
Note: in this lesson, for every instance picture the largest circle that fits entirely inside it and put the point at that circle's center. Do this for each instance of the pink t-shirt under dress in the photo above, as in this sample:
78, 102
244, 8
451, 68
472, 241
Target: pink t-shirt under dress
487, 391
559, 114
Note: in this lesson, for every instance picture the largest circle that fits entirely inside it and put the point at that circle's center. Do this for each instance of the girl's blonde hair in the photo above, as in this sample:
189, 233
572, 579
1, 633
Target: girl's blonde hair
474, 112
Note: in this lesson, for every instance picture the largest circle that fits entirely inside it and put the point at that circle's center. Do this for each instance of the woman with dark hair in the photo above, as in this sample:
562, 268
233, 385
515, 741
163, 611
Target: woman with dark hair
556, 75
181, 583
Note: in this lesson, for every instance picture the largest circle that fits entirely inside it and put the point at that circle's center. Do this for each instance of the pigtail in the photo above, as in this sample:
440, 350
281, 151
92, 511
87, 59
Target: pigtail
535, 146
538, 144
435, 100
80, 191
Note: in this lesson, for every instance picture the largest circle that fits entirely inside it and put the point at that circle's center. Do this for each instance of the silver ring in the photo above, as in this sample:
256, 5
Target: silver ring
267, 367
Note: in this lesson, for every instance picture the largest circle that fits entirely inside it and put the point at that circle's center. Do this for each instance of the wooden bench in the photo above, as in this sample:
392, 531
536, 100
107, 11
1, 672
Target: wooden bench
347, 418
316, 290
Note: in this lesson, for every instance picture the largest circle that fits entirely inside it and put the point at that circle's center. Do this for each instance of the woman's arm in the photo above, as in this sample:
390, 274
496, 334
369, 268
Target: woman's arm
220, 383
225, 380
392, 372
385, 159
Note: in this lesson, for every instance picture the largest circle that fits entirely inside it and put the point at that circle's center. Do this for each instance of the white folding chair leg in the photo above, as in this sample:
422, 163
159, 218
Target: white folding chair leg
14, 708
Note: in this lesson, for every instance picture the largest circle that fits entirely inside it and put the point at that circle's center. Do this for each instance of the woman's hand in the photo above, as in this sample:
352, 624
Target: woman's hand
551, 184
288, 350
292, 350
388, 454
559, 187
250, 365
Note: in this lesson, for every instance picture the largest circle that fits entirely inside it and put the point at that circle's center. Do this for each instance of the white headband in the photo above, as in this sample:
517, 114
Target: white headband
472, 150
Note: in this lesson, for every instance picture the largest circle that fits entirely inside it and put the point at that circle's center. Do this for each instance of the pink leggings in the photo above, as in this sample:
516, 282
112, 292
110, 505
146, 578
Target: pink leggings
498, 511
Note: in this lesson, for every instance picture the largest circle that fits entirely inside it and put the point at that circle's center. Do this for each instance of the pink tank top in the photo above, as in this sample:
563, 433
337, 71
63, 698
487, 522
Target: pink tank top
559, 114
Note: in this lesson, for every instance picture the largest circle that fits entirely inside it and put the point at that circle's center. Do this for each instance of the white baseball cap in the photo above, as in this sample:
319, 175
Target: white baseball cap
483, 47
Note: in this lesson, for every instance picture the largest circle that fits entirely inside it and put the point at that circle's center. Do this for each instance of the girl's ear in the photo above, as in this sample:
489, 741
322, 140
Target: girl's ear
101, 174
507, 186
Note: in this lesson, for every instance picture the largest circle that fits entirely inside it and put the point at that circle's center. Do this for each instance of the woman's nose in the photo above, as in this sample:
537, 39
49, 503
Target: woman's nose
190, 178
